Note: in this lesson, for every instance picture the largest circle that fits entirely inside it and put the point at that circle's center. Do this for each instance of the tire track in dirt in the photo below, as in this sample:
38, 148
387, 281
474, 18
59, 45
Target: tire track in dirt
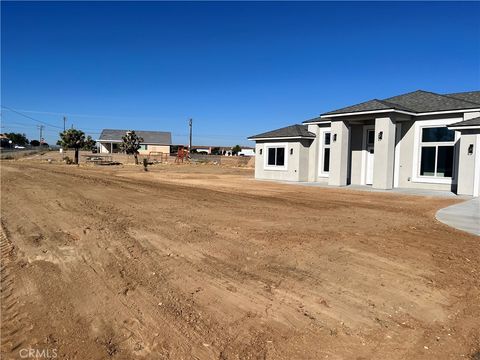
12, 315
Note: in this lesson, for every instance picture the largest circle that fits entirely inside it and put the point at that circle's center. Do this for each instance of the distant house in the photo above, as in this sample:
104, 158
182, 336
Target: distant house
418, 140
153, 141
222, 150
247, 151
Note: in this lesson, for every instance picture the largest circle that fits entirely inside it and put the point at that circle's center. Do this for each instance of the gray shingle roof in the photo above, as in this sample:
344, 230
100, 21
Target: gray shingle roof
417, 102
316, 119
289, 131
470, 122
424, 101
149, 137
473, 96
370, 105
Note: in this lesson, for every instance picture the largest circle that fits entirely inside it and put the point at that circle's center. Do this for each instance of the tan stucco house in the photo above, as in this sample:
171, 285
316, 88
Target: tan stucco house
418, 140
153, 141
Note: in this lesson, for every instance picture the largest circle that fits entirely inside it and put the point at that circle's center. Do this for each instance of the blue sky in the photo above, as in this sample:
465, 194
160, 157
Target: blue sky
236, 68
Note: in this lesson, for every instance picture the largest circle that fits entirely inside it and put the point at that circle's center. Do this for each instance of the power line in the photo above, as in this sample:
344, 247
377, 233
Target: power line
45, 123
31, 118
82, 115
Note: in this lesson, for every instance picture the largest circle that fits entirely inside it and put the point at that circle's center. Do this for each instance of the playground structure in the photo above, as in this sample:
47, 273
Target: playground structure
155, 157
182, 154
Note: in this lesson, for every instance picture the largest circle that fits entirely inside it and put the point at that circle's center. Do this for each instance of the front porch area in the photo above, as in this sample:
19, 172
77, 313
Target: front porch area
362, 152
387, 151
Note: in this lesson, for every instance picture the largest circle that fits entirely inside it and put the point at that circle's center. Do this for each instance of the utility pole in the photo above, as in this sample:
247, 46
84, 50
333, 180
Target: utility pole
190, 142
64, 122
40, 127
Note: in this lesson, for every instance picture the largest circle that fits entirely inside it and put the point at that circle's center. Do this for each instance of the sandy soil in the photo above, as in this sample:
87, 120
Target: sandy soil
202, 262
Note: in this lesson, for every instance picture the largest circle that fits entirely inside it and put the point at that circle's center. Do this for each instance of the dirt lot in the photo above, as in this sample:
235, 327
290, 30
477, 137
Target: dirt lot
202, 262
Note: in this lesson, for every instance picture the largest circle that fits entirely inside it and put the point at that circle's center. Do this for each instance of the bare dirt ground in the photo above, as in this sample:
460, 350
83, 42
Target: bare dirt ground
202, 262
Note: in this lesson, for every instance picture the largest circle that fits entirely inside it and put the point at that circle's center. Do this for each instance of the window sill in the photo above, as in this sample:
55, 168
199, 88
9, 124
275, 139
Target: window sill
275, 168
432, 180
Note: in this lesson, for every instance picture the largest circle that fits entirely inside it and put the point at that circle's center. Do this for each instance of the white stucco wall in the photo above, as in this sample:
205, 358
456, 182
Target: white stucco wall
297, 164
104, 148
155, 148
469, 164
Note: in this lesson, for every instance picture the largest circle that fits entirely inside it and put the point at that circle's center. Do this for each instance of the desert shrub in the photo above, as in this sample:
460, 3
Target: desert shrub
67, 160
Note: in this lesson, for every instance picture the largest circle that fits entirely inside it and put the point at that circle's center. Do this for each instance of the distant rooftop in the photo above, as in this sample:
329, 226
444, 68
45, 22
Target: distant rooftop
292, 131
149, 137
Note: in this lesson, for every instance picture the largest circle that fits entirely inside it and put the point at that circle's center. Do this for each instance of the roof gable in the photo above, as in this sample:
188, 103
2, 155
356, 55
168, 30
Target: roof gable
293, 131
149, 137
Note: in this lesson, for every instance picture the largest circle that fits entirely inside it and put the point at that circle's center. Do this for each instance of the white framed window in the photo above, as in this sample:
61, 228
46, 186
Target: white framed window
276, 156
324, 152
434, 155
436, 152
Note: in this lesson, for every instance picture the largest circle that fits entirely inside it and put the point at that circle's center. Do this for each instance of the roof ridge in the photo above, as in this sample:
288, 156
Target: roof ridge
389, 103
410, 92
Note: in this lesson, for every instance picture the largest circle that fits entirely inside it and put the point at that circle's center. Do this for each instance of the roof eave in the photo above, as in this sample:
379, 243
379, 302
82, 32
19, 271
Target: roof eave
464, 127
328, 116
253, 138
309, 122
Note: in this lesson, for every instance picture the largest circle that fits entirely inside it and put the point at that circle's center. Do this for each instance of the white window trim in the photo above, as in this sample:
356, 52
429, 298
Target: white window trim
363, 173
416, 151
265, 155
321, 152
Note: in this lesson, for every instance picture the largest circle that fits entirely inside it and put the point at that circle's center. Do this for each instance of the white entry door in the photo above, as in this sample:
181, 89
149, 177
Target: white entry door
370, 156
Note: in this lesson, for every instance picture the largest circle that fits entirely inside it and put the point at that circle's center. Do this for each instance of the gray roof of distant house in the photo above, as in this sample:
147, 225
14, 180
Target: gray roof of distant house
149, 137
293, 131
416, 102
470, 122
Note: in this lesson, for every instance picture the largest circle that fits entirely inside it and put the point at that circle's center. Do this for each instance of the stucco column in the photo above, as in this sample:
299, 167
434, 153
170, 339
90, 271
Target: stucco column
468, 176
384, 153
339, 153
313, 153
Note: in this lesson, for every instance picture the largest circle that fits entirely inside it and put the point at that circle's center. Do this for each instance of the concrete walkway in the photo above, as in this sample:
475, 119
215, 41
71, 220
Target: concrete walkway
405, 191
464, 216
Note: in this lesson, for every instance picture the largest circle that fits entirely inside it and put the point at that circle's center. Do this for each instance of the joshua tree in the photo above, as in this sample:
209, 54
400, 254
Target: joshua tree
131, 144
236, 149
73, 139
90, 144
